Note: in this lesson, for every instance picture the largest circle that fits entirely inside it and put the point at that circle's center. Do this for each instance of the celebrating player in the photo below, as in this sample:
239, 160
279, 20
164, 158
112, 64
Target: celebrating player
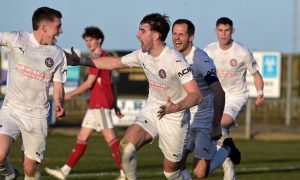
172, 90
35, 63
205, 117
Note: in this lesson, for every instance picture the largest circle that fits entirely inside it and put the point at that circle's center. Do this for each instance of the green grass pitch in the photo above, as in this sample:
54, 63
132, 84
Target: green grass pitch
265, 160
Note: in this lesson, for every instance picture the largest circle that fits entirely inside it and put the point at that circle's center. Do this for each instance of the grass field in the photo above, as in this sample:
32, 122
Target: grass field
261, 160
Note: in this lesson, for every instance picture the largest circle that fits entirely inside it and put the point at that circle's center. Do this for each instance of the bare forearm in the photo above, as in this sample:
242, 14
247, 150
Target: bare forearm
58, 93
108, 63
82, 88
219, 103
258, 81
190, 100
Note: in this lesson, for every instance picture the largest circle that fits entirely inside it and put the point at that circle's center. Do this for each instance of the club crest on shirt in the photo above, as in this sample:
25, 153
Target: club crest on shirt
49, 62
233, 62
162, 74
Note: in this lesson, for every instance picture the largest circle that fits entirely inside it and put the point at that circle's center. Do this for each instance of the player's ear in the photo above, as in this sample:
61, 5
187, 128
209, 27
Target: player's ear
156, 35
43, 26
192, 37
99, 42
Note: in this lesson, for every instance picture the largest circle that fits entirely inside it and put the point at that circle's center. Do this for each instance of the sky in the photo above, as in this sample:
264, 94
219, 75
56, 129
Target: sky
262, 25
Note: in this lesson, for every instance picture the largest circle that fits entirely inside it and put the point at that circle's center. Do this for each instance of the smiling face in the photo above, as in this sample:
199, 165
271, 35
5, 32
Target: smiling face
50, 30
182, 41
145, 36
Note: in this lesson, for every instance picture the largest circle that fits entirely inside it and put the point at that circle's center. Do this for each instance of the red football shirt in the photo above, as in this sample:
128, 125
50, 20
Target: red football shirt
101, 93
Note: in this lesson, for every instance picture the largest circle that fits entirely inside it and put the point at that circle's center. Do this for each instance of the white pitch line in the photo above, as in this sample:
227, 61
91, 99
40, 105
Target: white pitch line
259, 169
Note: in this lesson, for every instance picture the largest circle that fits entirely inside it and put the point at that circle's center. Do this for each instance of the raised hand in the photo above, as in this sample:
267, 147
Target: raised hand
72, 58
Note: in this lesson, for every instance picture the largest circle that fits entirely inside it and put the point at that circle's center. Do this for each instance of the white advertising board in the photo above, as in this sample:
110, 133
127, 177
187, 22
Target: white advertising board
269, 63
130, 107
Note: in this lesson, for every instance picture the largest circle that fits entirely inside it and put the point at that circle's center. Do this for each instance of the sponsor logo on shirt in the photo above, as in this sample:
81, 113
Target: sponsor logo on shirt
162, 74
212, 72
21, 49
158, 86
183, 72
49, 62
32, 73
225, 73
233, 62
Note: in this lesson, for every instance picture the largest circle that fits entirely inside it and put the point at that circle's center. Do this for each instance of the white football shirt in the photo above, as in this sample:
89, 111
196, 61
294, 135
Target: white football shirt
165, 73
232, 65
32, 69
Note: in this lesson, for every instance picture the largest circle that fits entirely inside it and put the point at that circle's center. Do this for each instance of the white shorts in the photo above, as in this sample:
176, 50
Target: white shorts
234, 105
97, 119
200, 142
32, 130
172, 131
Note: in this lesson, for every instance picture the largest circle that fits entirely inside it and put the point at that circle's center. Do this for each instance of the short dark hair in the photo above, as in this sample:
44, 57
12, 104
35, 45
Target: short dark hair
93, 32
44, 13
159, 23
190, 25
224, 20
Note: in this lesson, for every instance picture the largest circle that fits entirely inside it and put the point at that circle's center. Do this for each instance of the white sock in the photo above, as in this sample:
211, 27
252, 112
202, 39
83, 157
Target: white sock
66, 169
218, 159
176, 175
122, 172
36, 177
225, 133
229, 172
129, 162
185, 174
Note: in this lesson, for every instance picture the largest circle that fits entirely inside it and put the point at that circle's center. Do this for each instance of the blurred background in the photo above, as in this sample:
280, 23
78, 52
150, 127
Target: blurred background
270, 29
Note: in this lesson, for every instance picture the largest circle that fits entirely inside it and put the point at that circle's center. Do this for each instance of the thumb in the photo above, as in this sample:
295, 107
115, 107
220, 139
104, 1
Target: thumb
169, 98
72, 50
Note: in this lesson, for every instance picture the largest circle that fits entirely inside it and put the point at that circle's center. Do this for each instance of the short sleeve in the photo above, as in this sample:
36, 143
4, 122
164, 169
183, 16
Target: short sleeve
251, 63
132, 59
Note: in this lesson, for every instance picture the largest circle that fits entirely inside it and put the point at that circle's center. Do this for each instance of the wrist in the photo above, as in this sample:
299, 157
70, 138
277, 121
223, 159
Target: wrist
83, 61
260, 93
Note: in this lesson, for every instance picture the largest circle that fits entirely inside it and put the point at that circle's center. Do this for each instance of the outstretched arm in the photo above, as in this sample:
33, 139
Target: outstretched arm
106, 62
82, 88
259, 85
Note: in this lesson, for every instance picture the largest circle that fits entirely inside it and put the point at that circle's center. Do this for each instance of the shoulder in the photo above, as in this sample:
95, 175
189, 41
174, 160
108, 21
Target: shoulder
173, 54
104, 53
14, 35
211, 47
58, 49
200, 53
241, 48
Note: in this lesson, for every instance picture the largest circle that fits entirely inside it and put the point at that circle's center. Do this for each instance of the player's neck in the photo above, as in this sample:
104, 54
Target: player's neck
226, 46
96, 52
157, 49
187, 50
38, 36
